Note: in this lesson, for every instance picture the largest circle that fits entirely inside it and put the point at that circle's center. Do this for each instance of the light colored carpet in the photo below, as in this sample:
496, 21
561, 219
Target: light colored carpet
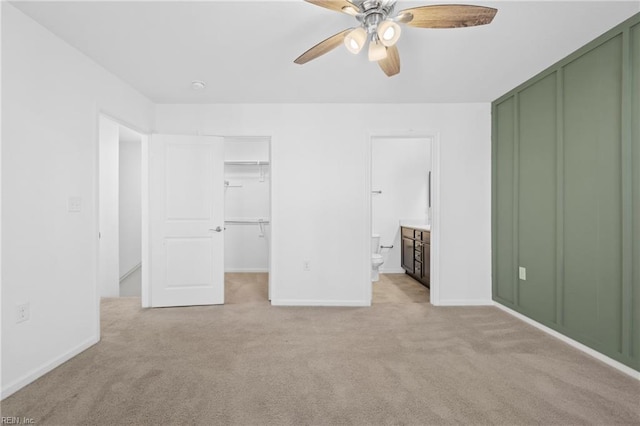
399, 288
246, 288
392, 363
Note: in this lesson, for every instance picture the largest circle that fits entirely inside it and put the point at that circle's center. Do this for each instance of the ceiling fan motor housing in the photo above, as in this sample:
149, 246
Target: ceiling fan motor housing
372, 12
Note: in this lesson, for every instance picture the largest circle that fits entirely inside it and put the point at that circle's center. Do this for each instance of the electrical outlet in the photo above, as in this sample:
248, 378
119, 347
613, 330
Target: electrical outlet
522, 273
22, 313
306, 265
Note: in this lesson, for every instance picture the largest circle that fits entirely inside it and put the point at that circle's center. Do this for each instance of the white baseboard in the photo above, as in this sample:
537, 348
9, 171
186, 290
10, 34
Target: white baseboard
251, 270
131, 271
464, 302
586, 349
301, 302
44, 369
392, 271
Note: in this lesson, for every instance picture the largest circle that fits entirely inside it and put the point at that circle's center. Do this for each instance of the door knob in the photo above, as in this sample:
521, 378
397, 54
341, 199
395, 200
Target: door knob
217, 229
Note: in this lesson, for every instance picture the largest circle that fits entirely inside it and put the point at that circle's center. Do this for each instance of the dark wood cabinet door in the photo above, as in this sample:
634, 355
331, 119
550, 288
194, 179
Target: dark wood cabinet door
426, 237
407, 255
426, 263
407, 232
416, 254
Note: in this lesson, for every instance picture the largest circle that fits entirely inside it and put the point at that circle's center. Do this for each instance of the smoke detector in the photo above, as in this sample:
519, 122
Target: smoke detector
198, 85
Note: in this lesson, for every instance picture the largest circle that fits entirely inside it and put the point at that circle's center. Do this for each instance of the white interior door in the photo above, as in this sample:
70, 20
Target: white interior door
186, 220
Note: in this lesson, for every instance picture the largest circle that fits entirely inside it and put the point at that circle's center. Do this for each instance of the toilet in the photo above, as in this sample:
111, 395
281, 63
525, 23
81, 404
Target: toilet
376, 257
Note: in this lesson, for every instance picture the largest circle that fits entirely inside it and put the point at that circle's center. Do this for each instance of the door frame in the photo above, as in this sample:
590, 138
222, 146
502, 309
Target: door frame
144, 193
270, 136
146, 290
435, 205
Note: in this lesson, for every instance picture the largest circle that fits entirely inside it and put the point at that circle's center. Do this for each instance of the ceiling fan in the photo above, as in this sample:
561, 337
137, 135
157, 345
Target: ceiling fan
379, 26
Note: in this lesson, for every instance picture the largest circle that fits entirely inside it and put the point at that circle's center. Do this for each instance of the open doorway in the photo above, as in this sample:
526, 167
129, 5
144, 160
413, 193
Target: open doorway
247, 201
130, 212
120, 203
401, 203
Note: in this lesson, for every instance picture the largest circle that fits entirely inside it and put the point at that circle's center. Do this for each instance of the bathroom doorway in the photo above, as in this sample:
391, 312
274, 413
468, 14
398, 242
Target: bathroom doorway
401, 190
247, 236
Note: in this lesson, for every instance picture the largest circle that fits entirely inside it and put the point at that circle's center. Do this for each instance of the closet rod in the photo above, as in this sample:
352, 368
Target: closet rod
246, 163
243, 222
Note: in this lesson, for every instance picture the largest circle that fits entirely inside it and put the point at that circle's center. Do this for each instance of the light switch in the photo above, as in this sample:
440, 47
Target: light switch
75, 204
522, 273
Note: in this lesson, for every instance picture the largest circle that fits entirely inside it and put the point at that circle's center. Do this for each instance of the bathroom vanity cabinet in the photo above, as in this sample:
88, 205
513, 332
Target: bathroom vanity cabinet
416, 253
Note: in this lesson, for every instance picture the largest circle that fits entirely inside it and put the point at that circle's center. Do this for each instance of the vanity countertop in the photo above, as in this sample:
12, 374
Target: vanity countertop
416, 225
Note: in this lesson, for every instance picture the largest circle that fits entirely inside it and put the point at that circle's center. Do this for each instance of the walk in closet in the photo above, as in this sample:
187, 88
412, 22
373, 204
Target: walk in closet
247, 213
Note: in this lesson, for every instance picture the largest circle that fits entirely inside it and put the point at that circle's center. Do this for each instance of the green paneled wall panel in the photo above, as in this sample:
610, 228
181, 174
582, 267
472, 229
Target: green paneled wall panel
504, 207
593, 195
574, 144
537, 198
635, 186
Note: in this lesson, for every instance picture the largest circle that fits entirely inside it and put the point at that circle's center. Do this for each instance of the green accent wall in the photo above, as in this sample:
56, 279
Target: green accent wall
566, 195
634, 123
503, 170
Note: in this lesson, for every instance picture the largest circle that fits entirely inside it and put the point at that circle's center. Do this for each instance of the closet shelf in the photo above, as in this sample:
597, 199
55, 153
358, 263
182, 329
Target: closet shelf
246, 222
228, 184
246, 163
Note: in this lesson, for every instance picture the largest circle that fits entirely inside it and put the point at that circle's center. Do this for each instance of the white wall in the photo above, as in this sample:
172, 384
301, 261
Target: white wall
320, 168
130, 206
51, 96
400, 169
246, 247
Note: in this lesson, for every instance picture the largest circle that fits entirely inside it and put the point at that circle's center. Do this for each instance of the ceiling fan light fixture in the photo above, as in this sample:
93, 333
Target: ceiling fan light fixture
388, 32
379, 25
377, 51
355, 40
350, 10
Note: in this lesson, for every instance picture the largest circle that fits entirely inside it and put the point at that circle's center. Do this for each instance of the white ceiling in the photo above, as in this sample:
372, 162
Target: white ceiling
244, 50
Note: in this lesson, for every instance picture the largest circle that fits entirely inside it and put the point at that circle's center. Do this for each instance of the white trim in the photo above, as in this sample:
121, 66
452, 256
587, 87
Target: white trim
434, 273
592, 352
145, 286
247, 270
272, 212
131, 271
434, 138
466, 302
329, 303
367, 290
96, 219
44, 369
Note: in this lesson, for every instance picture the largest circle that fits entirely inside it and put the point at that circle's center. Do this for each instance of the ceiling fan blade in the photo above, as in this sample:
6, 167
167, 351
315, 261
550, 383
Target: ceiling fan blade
391, 64
323, 47
337, 5
447, 16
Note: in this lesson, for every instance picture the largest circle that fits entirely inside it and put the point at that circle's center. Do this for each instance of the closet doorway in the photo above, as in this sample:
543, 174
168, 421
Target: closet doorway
247, 236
